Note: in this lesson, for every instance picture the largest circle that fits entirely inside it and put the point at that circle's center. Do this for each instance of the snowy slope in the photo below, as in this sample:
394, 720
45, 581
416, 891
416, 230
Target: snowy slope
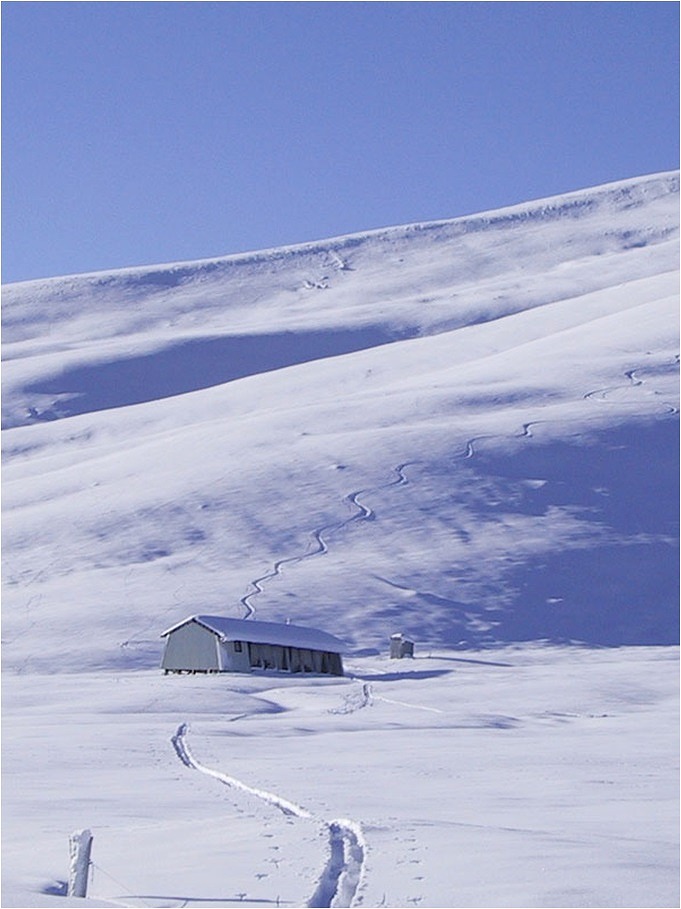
547, 333
466, 431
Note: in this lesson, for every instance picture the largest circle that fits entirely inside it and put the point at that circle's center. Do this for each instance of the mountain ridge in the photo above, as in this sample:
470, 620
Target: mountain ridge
134, 495
668, 181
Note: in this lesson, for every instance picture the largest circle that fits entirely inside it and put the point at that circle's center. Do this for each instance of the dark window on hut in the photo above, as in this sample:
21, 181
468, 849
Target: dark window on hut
238, 646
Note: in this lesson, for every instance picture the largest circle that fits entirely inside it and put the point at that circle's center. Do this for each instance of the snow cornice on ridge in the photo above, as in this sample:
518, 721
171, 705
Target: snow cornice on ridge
622, 193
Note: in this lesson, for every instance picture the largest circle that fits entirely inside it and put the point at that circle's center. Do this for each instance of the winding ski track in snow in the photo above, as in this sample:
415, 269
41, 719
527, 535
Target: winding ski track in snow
525, 433
597, 395
343, 873
633, 381
601, 394
320, 536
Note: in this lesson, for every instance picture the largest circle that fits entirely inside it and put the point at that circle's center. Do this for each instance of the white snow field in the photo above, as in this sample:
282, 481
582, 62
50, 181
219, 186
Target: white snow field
466, 431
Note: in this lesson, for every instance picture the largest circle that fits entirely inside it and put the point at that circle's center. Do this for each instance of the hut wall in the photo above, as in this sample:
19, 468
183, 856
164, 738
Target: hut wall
190, 647
233, 656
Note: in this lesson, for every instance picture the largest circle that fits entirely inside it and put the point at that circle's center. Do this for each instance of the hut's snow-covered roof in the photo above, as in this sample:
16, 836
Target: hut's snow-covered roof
256, 632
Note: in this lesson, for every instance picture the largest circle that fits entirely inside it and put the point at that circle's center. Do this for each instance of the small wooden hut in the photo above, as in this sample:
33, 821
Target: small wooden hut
400, 646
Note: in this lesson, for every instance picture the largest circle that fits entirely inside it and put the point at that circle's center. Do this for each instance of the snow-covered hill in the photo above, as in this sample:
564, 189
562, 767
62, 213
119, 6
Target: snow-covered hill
466, 431
501, 391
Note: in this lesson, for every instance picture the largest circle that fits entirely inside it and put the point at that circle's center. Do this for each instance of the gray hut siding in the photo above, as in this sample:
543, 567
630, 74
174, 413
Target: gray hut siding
400, 646
191, 647
233, 656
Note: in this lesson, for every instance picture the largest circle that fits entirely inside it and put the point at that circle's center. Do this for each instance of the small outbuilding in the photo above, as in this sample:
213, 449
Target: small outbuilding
209, 643
400, 647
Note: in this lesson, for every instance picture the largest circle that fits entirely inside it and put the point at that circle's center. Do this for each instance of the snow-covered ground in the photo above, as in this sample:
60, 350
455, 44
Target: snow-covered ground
528, 776
466, 431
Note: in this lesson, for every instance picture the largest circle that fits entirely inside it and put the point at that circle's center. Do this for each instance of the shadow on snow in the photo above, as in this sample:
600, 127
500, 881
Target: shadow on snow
196, 364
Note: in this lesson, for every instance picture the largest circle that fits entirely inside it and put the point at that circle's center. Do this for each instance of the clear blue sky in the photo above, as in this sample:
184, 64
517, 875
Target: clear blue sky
140, 133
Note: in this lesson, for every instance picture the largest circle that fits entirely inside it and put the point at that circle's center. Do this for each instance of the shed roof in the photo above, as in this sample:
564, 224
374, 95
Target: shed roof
256, 632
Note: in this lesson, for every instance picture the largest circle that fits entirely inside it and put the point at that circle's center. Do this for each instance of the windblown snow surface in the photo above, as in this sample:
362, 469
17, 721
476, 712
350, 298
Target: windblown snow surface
466, 431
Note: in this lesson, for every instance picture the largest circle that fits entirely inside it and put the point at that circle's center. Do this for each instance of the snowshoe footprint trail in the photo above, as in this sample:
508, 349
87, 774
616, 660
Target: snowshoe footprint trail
182, 750
344, 870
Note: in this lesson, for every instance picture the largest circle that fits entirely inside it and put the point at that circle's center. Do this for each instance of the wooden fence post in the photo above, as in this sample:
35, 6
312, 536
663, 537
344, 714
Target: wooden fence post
80, 845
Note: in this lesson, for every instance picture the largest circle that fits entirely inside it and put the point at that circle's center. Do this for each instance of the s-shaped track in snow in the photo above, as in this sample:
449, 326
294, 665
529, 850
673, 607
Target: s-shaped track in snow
340, 880
320, 536
599, 395
525, 433
633, 381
